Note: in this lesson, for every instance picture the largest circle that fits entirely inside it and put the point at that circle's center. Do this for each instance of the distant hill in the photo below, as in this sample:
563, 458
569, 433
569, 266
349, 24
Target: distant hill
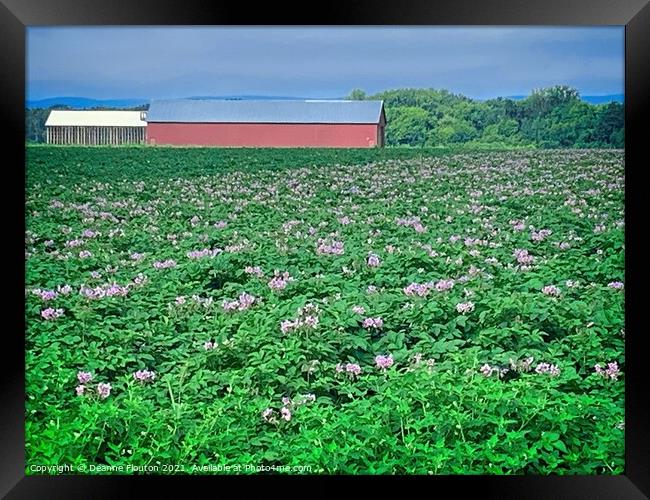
85, 103
591, 99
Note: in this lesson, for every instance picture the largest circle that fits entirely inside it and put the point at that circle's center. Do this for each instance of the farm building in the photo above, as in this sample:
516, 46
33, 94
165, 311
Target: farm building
95, 127
282, 123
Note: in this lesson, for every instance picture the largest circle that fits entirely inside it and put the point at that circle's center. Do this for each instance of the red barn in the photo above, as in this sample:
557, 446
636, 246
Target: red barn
281, 123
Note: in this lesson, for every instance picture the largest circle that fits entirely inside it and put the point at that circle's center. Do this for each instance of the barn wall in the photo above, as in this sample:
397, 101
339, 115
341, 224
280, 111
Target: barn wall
263, 134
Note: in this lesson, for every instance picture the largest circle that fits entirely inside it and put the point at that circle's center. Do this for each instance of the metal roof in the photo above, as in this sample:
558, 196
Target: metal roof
271, 111
101, 118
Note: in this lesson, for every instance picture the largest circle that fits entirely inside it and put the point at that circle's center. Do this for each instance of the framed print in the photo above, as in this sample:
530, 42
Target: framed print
388, 242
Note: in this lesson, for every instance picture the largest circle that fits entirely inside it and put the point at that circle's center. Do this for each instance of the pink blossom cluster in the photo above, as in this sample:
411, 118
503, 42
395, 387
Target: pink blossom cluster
444, 285
307, 318
108, 290
255, 271
352, 369
74, 243
140, 279
330, 247
540, 235
413, 222
222, 224
345, 220
51, 313
417, 361
287, 409
144, 376
465, 307
487, 371
523, 257
375, 323
373, 260
209, 345
612, 371
551, 290
103, 390
616, 285
136, 256
384, 362
85, 254
165, 264
206, 252
418, 289
518, 225
280, 280
45, 295
548, 369
244, 302
359, 310
89, 233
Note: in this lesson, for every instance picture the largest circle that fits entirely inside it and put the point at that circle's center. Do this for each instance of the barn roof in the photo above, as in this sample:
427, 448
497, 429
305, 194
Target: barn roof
271, 111
99, 118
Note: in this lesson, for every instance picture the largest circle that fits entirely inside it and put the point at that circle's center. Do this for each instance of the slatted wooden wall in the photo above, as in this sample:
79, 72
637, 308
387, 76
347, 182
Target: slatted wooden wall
93, 136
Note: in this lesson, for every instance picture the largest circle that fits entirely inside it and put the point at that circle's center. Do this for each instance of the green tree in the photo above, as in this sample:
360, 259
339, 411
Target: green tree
407, 125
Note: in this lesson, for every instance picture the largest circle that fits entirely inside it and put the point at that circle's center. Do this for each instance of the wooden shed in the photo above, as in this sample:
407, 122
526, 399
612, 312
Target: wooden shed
95, 127
272, 123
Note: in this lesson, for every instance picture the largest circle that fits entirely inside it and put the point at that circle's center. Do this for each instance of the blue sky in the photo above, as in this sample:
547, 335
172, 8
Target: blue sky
162, 62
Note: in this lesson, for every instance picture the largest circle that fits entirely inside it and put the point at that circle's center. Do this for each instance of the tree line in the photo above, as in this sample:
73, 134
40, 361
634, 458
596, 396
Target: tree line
553, 117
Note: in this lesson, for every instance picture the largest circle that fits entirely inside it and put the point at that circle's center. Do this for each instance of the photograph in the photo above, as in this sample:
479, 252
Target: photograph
325, 250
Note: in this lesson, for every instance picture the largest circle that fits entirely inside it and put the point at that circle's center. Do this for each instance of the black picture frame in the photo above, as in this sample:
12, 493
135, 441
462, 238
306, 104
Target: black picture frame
16, 15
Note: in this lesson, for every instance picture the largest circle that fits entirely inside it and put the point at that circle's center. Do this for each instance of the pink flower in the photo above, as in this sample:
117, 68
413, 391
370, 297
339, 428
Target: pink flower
616, 285
164, 264
267, 413
384, 362
523, 257
358, 310
80, 389
373, 260
280, 281
540, 235
104, 390
444, 285
612, 371
465, 307
551, 290
48, 294
376, 323
286, 413
330, 247
136, 256
353, 369
51, 313
417, 289
84, 254
256, 271
144, 376
84, 377
546, 368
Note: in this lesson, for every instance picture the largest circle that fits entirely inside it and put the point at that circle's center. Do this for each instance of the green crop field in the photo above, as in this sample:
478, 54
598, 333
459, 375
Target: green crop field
409, 311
